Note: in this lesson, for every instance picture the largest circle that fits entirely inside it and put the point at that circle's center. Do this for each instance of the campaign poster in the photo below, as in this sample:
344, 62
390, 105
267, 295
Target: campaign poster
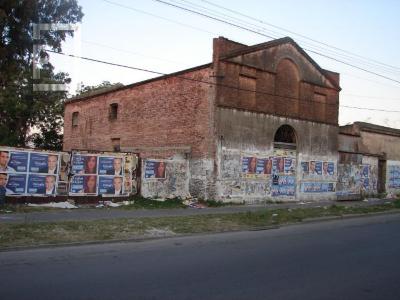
42, 184
109, 165
317, 187
304, 167
83, 185
365, 171
155, 169
111, 185
45, 163
279, 165
318, 167
266, 167
18, 162
15, 183
84, 164
331, 168
128, 184
249, 164
366, 183
283, 186
289, 165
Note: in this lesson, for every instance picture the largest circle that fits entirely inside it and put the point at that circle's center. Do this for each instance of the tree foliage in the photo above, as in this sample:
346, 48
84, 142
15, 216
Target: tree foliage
86, 90
28, 116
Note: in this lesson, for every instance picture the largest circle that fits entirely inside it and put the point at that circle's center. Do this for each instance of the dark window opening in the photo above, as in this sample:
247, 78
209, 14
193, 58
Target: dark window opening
116, 144
285, 137
113, 114
75, 119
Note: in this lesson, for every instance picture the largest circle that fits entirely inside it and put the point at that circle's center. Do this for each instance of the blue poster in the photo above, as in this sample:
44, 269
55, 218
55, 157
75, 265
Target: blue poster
18, 162
154, 169
304, 167
317, 187
43, 163
41, 184
279, 165
15, 184
249, 165
365, 171
318, 167
264, 166
84, 164
110, 185
331, 168
283, 186
110, 165
289, 169
84, 185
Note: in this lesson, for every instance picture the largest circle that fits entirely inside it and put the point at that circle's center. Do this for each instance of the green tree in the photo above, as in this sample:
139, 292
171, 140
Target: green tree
86, 90
26, 115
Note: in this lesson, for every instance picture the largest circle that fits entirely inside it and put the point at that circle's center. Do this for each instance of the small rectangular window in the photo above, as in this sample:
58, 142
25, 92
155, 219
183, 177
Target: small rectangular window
75, 119
116, 144
113, 114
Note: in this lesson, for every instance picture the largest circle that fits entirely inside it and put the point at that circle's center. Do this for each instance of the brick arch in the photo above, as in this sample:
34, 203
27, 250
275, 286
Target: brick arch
287, 80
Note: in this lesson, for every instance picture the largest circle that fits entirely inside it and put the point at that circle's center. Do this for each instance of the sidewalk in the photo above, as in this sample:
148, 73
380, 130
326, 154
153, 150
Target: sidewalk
116, 213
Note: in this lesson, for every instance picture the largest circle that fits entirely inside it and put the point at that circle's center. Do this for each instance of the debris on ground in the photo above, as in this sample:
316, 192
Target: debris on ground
64, 204
193, 203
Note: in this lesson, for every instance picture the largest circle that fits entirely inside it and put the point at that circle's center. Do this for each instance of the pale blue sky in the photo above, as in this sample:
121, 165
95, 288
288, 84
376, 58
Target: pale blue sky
130, 36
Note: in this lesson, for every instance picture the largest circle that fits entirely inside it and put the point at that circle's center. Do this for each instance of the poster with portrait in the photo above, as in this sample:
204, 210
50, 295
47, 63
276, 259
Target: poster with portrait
318, 167
18, 161
111, 165
44, 163
14, 183
279, 165
111, 185
289, 167
83, 185
305, 167
64, 167
331, 168
249, 164
264, 166
155, 169
42, 184
84, 164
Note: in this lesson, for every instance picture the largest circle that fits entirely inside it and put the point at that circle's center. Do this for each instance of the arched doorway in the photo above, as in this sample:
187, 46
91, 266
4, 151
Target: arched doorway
284, 163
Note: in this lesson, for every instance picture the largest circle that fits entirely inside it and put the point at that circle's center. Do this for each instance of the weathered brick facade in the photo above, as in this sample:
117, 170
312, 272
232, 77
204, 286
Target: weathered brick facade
186, 112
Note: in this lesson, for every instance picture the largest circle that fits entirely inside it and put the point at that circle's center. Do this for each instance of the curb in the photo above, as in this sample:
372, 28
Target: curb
144, 239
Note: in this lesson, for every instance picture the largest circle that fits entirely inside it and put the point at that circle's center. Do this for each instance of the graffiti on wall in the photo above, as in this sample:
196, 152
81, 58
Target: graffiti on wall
165, 178
394, 176
356, 179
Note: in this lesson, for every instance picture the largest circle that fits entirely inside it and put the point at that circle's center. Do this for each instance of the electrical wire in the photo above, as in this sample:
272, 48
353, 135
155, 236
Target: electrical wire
216, 84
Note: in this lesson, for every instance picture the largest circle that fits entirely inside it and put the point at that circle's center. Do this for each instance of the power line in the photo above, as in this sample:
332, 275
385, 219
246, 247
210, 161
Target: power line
298, 34
213, 83
269, 36
192, 27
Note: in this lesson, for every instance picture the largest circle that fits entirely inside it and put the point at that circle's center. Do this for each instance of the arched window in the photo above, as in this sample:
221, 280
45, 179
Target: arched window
285, 137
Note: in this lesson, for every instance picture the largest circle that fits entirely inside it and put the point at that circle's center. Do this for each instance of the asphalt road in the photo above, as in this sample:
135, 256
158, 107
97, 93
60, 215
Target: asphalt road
342, 259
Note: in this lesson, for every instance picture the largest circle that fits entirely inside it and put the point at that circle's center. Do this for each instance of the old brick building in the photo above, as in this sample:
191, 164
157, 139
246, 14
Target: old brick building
269, 105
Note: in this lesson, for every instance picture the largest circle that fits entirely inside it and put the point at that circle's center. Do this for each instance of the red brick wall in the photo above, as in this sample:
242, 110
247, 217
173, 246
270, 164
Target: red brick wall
286, 84
170, 112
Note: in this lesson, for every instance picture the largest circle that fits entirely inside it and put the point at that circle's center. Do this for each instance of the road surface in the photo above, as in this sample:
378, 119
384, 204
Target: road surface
342, 259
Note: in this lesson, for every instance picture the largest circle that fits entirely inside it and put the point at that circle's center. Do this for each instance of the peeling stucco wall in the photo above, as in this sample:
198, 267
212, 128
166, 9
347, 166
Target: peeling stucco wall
174, 184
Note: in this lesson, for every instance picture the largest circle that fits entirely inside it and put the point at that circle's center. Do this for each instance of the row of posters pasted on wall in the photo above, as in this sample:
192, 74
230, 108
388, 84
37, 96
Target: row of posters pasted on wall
30, 172
281, 170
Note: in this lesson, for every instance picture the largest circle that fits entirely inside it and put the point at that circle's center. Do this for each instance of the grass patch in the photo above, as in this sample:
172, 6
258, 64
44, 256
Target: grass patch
146, 203
23, 208
32, 234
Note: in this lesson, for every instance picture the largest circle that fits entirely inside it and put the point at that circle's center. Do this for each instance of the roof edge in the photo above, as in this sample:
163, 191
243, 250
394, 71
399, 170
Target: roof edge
135, 84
